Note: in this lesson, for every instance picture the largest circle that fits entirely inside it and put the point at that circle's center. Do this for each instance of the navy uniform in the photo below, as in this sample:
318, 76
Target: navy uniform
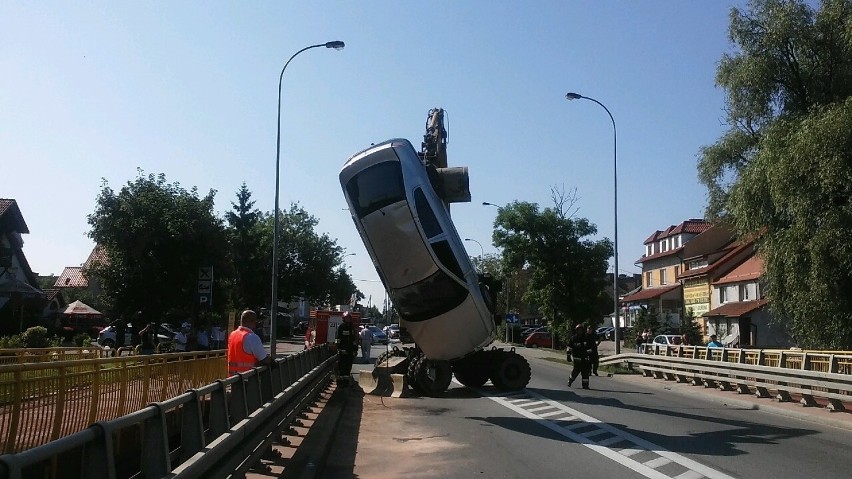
581, 346
346, 341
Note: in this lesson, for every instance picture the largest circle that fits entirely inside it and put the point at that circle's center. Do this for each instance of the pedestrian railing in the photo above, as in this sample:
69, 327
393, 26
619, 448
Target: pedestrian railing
217, 430
44, 401
43, 355
809, 375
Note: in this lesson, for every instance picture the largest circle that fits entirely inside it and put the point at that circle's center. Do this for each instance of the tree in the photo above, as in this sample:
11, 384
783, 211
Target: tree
566, 268
155, 236
310, 264
782, 173
250, 252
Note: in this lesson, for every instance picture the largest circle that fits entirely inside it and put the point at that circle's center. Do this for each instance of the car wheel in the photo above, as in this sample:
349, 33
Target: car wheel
431, 376
108, 343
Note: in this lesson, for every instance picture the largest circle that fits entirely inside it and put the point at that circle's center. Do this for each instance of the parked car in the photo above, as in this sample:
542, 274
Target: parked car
667, 339
106, 337
603, 332
610, 335
379, 336
392, 331
539, 339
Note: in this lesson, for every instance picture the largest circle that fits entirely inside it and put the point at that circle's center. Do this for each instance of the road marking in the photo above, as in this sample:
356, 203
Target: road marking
574, 420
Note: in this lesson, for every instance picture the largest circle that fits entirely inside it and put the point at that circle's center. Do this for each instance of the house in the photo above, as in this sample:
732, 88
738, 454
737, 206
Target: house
661, 293
21, 299
739, 315
76, 277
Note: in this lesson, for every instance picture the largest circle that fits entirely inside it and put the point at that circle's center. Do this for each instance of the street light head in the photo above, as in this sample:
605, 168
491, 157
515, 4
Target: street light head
573, 96
338, 45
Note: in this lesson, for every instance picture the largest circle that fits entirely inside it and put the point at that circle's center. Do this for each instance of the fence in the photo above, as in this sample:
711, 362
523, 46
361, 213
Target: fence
810, 375
44, 401
42, 355
216, 430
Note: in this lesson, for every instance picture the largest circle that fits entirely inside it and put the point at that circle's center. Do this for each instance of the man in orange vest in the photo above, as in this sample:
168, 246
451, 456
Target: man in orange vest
245, 350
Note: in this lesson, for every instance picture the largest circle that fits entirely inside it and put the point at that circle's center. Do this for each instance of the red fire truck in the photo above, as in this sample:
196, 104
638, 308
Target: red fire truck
322, 326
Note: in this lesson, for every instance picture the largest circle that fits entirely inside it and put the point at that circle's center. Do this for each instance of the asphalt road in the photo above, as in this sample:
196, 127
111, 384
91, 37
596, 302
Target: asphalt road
626, 426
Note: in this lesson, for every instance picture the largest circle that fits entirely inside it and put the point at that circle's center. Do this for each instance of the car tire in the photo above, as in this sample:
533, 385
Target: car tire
511, 372
431, 376
108, 343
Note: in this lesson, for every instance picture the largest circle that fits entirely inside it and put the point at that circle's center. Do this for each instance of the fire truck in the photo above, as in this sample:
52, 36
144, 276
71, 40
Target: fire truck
323, 324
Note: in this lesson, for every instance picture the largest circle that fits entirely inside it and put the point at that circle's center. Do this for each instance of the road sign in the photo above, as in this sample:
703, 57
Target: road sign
205, 286
513, 318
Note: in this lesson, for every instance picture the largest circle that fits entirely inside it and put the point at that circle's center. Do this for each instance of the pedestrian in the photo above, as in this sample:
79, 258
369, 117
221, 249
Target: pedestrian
182, 337
640, 340
217, 336
146, 338
366, 343
120, 328
347, 346
714, 343
595, 357
684, 340
245, 350
202, 339
581, 350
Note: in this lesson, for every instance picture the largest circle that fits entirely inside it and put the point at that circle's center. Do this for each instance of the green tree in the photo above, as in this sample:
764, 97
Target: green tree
156, 235
783, 171
566, 268
251, 252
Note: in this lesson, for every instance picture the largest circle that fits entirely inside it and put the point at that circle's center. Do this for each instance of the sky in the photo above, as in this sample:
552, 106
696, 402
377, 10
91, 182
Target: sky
93, 92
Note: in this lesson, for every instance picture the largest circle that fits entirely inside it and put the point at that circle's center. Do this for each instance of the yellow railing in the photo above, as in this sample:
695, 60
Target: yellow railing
808, 360
42, 355
43, 401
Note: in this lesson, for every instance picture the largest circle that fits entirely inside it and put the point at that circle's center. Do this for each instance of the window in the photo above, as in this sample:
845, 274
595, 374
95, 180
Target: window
722, 296
376, 187
663, 277
427, 218
744, 292
428, 298
649, 279
677, 272
649, 250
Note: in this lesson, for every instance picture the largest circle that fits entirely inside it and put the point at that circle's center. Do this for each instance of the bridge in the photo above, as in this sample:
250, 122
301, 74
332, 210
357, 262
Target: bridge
225, 425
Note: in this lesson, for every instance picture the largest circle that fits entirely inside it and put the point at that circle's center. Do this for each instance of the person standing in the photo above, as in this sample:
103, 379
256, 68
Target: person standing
182, 337
581, 350
714, 343
217, 336
347, 346
146, 338
366, 343
202, 339
245, 350
595, 357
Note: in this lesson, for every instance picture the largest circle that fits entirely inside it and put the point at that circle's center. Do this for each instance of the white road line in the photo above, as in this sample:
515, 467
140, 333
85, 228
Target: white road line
552, 413
563, 427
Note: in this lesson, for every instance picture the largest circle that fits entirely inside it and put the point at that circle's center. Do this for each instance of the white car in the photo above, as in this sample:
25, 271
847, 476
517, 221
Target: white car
106, 337
668, 339
417, 251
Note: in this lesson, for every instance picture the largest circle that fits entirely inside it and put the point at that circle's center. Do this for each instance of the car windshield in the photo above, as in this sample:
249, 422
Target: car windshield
429, 298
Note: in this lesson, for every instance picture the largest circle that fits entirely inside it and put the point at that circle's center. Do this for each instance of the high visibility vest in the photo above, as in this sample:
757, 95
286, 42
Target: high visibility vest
238, 359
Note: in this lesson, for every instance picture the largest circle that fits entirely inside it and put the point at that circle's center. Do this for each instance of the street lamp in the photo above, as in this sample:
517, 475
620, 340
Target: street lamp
481, 249
337, 45
615, 323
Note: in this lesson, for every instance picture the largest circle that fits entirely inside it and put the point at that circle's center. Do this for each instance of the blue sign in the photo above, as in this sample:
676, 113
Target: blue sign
513, 318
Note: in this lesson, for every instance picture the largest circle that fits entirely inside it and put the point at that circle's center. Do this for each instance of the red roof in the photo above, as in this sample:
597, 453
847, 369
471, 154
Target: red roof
649, 293
730, 253
736, 309
694, 226
98, 255
71, 277
749, 270
15, 218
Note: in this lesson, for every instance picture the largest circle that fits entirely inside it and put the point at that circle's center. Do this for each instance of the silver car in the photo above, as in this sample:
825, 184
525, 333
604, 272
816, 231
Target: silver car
416, 250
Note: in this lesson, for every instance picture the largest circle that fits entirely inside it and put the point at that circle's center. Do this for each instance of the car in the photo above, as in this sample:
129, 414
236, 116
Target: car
603, 331
539, 339
418, 254
392, 330
610, 335
107, 336
379, 336
667, 339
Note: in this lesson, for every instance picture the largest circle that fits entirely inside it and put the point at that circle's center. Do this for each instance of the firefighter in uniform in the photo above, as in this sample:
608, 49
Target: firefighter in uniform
245, 350
581, 346
347, 346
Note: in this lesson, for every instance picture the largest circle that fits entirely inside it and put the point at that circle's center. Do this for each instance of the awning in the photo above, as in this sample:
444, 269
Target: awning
736, 309
79, 308
649, 293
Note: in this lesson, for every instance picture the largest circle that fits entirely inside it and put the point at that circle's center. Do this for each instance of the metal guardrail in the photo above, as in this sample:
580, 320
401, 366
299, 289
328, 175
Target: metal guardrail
811, 375
43, 355
217, 430
44, 401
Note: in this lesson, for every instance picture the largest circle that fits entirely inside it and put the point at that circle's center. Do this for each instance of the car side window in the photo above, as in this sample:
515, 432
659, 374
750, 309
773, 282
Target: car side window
376, 187
446, 257
428, 221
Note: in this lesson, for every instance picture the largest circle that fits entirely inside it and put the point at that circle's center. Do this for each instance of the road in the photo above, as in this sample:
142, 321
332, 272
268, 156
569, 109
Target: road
625, 426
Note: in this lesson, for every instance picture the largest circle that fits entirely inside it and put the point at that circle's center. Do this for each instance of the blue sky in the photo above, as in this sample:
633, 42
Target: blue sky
95, 90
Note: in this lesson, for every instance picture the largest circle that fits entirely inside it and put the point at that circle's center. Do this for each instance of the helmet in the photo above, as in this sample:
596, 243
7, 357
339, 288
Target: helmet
186, 325
347, 315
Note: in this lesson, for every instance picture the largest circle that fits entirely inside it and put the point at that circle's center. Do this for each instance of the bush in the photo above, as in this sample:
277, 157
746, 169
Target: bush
82, 340
11, 342
35, 337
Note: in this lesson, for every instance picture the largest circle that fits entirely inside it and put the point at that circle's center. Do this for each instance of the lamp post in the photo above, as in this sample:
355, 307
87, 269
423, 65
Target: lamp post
481, 249
508, 283
337, 45
615, 323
